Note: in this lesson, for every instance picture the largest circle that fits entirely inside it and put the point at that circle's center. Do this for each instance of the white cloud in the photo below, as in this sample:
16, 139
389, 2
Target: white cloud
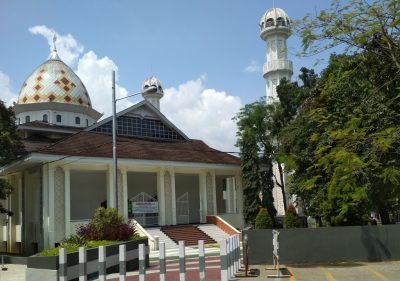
7, 94
68, 48
96, 74
203, 113
253, 67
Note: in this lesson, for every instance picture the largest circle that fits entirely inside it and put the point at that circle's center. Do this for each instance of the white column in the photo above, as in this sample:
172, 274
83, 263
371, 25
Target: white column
125, 192
173, 197
20, 199
67, 186
228, 195
161, 196
110, 188
234, 190
203, 196
45, 211
239, 192
51, 219
214, 188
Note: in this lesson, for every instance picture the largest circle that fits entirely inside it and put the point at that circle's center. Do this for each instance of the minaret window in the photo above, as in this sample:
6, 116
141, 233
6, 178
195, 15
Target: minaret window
77, 120
270, 22
280, 22
27, 119
58, 118
45, 118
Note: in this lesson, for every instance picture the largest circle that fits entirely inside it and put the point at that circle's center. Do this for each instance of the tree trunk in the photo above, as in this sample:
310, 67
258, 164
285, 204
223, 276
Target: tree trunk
384, 214
282, 185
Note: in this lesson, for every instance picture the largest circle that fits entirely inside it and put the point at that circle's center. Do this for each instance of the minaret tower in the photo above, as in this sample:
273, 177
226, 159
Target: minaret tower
275, 30
152, 91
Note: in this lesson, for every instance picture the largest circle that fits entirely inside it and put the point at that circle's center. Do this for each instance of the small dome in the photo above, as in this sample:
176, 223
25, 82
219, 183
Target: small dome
54, 81
152, 82
274, 17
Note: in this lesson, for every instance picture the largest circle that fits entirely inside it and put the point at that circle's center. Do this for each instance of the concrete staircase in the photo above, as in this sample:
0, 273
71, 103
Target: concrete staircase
191, 234
208, 232
155, 231
214, 232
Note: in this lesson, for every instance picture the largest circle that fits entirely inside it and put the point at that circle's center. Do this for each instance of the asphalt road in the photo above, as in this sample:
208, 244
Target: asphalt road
349, 271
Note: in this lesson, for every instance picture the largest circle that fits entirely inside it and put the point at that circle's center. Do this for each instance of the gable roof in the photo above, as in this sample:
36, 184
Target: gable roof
92, 144
155, 114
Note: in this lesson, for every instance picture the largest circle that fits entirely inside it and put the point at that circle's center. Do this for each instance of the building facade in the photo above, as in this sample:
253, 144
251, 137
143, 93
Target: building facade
163, 176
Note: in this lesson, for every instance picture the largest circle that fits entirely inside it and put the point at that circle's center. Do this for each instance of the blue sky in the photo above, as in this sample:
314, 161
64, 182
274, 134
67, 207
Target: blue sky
198, 49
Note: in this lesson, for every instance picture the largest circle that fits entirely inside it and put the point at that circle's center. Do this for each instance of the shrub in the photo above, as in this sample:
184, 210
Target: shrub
291, 219
263, 220
106, 224
73, 240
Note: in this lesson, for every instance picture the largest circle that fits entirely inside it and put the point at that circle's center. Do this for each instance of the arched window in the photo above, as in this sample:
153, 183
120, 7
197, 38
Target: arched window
87, 123
280, 21
58, 118
45, 119
77, 120
27, 119
270, 22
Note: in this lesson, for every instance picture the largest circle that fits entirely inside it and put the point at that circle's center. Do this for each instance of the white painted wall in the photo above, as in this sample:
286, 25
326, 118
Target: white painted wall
189, 183
67, 118
87, 190
141, 182
32, 210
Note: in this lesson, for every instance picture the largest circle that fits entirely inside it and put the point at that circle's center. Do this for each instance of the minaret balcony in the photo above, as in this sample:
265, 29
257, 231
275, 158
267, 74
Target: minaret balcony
277, 65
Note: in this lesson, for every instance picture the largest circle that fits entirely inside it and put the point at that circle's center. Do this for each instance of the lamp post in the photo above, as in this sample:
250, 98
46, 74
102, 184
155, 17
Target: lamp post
114, 132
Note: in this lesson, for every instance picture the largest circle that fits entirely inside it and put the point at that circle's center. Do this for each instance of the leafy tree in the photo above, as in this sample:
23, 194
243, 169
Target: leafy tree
10, 148
263, 220
344, 141
358, 25
291, 219
10, 143
256, 155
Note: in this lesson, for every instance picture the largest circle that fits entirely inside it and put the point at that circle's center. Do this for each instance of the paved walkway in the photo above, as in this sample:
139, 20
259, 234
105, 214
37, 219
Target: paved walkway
213, 272
350, 271
14, 272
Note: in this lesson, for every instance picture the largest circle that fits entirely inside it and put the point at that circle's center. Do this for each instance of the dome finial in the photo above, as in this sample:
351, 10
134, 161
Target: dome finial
54, 55
54, 42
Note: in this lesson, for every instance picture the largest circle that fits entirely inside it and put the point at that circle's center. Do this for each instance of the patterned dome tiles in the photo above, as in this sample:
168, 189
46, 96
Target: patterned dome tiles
54, 81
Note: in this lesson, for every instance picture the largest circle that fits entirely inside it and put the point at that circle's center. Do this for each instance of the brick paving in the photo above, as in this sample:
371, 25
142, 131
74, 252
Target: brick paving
213, 270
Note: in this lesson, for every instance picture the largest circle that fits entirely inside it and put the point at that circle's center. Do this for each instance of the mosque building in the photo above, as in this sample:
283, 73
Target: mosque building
163, 177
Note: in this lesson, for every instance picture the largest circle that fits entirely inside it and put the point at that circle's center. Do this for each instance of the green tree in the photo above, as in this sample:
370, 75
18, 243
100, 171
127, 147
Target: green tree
344, 142
291, 219
263, 220
357, 25
256, 155
10, 148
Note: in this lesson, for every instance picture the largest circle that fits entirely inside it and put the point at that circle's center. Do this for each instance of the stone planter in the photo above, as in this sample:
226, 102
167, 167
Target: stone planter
46, 268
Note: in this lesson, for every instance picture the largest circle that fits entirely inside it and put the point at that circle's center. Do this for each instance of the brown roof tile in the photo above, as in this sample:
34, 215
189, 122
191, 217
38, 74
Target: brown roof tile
45, 125
91, 144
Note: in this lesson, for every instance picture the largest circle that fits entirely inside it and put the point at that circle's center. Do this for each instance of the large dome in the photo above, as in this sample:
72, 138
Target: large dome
54, 81
274, 17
